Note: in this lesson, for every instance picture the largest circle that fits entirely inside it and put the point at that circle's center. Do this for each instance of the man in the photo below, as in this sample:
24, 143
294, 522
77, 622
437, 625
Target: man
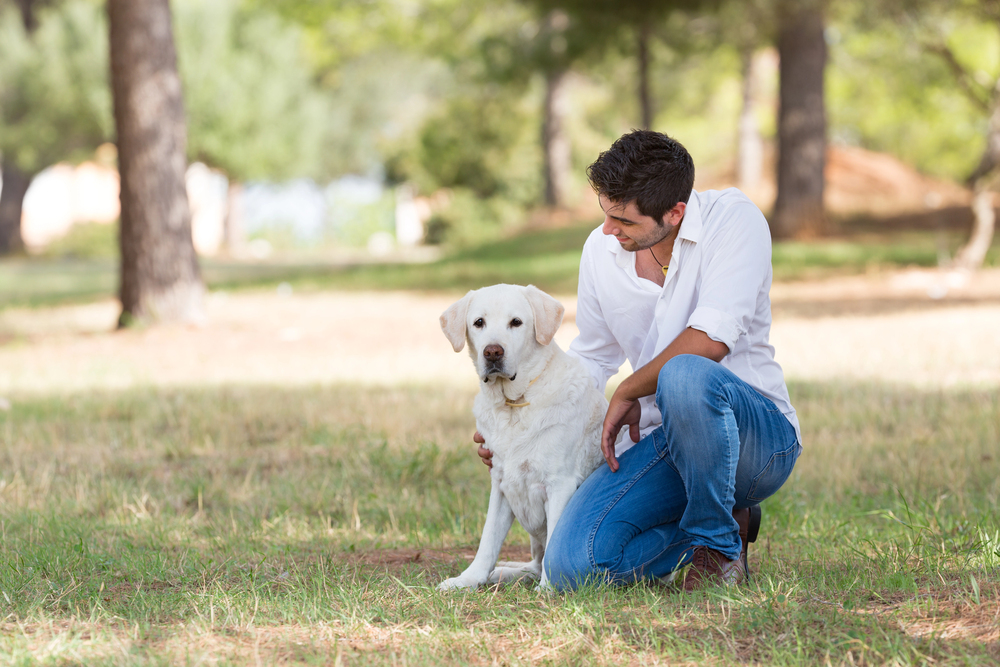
676, 281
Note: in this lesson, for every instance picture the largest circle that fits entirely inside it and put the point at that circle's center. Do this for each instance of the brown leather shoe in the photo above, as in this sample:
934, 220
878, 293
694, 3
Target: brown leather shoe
749, 522
710, 568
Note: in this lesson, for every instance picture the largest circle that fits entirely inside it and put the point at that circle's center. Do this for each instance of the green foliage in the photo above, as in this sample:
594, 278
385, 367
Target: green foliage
254, 110
54, 98
917, 110
481, 149
86, 241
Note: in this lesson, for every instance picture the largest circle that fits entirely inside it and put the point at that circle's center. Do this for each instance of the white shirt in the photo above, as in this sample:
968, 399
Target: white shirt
718, 282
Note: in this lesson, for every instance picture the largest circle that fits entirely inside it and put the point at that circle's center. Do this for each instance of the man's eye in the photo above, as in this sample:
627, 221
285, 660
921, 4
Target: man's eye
516, 322
479, 324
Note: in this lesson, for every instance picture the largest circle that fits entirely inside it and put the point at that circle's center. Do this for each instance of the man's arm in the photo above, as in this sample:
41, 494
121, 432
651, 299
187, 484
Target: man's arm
624, 410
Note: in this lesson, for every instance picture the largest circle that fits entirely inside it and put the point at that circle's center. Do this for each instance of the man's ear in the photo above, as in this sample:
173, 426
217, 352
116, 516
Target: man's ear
674, 216
546, 311
453, 321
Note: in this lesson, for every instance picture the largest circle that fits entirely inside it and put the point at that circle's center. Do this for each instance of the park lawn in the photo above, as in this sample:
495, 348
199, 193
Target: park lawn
547, 258
257, 525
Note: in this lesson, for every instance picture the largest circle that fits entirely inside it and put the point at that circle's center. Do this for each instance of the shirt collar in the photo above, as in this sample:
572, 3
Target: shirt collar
691, 228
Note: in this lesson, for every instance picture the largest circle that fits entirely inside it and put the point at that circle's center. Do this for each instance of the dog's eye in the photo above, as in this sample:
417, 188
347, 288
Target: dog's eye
516, 322
479, 324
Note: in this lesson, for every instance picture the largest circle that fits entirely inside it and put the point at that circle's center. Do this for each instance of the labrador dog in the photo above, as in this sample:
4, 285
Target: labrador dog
539, 412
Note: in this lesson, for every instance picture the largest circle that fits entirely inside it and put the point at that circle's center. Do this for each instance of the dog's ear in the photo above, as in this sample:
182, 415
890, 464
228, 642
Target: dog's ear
548, 313
453, 321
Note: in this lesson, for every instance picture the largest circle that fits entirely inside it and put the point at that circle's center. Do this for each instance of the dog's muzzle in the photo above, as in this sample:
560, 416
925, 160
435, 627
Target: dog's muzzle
494, 361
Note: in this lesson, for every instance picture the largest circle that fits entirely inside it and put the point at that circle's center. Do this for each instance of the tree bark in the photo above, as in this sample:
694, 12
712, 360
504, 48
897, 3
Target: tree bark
972, 255
28, 15
645, 99
555, 142
15, 186
160, 277
234, 234
750, 152
15, 181
798, 208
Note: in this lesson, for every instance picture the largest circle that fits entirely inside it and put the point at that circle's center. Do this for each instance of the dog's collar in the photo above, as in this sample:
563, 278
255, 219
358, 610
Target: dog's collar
510, 402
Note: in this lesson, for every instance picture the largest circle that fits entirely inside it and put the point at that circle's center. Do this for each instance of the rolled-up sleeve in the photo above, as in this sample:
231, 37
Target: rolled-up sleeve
595, 346
737, 264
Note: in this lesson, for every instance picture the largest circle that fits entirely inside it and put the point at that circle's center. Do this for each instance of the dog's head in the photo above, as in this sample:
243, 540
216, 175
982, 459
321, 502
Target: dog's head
502, 324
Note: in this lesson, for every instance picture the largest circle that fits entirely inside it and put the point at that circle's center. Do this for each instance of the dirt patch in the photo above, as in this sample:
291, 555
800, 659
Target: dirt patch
398, 558
927, 328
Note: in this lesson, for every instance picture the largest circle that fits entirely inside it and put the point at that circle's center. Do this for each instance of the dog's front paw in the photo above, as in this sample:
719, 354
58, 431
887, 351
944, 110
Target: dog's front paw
459, 582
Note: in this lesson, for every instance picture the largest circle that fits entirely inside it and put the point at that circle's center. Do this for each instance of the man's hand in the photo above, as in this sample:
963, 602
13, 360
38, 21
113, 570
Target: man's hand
621, 411
485, 454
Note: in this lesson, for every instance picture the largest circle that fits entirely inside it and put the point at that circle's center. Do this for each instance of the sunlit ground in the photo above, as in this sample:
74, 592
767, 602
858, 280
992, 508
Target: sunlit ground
883, 328
287, 484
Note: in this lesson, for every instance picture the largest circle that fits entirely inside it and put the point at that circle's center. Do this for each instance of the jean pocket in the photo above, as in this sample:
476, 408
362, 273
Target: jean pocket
774, 474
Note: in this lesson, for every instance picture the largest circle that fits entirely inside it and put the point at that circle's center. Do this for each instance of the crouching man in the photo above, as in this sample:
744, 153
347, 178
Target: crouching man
677, 282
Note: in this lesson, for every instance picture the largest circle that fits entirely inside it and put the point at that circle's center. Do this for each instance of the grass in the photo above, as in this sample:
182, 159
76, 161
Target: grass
549, 259
309, 526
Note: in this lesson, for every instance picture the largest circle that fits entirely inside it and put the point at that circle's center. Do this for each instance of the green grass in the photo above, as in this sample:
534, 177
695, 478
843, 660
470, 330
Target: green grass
549, 259
309, 526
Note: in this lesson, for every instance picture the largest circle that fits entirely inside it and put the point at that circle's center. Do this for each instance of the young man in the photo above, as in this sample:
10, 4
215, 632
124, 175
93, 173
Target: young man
677, 282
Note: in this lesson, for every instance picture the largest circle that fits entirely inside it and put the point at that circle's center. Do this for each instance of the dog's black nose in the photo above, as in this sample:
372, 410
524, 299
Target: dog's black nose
493, 353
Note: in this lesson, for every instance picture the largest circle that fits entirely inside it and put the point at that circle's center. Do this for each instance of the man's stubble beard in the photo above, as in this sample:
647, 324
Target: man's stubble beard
667, 231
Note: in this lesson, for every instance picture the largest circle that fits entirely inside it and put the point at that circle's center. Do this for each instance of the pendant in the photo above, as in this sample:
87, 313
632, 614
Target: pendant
664, 269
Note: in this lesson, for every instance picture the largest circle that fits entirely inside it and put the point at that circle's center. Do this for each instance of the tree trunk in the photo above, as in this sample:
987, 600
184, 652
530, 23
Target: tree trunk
645, 100
160, 277
973, 253
15, 186
28, 15
555, 142
750, 156
798, 208
234, 234
15, 181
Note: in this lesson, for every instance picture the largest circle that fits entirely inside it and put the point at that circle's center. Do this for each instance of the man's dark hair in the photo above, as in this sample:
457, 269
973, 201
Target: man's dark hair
646, 167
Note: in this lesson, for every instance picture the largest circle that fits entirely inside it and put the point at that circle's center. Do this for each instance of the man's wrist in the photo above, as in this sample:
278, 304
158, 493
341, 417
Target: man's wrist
627, 390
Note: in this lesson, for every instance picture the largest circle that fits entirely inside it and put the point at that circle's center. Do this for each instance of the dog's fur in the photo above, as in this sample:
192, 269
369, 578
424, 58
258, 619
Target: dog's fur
542, 451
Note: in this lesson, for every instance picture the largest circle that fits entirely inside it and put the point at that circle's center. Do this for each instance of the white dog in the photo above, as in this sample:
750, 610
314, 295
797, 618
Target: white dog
539, 412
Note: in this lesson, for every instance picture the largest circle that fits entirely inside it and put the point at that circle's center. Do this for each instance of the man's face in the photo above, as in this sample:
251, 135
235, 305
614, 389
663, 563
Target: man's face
634, 230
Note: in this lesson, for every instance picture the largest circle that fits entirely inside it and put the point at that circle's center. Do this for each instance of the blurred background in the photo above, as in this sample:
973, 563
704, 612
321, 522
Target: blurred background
321, 135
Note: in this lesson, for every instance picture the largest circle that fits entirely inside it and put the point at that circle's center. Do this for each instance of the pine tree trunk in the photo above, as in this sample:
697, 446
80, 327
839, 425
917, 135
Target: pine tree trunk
160, 277
28, 15
798, 208
234, 234
750, 156
15, 186
973, 253
645, 99
15, 181
555, 142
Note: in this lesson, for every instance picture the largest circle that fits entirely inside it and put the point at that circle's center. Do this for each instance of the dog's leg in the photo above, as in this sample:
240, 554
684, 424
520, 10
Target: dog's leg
507, 571
499, 518
557, 500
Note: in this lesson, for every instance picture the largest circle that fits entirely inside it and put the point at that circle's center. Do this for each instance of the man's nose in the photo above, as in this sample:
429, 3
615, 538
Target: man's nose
493, 353
610, 227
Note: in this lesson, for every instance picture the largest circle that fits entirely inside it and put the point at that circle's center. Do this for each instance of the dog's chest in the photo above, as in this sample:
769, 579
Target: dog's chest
524, 483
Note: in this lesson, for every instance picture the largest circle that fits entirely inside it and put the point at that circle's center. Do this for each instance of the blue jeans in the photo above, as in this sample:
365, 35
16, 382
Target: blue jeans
721, 445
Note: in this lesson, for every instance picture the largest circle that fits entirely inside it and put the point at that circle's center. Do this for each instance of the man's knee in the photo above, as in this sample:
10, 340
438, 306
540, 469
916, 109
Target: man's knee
684, 380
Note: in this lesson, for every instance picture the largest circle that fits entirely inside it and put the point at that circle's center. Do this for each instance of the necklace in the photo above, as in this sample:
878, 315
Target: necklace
662, 267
